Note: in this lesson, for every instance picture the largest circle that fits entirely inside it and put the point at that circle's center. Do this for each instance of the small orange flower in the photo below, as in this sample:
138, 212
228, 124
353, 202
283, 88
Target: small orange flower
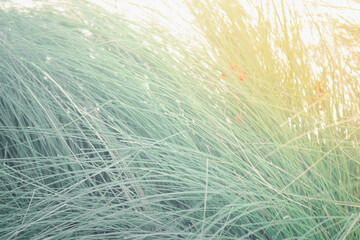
231, 68
319, 93
222, 76
238, 119
234, 67
242, 76
318, 88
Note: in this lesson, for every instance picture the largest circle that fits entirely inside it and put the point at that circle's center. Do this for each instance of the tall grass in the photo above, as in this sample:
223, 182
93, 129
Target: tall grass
115, 130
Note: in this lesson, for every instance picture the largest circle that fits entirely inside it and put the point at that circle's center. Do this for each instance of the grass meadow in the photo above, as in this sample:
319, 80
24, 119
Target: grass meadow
242, 128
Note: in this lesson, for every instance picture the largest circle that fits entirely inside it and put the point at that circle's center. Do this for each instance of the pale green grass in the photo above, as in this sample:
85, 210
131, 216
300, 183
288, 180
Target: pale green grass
105, 135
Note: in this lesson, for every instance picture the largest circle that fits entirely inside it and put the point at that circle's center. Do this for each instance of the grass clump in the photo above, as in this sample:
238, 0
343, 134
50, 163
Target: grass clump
106, 133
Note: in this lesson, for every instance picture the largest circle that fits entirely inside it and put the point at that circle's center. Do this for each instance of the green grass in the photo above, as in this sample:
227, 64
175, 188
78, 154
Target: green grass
106, 134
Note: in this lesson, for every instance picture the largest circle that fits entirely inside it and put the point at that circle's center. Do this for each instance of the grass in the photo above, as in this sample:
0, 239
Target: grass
105, 133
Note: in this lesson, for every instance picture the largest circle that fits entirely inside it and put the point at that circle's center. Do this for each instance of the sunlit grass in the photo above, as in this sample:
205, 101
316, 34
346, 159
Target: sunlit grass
110, 129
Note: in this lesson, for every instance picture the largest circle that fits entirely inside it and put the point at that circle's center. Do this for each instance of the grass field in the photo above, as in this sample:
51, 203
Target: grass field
115, 129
